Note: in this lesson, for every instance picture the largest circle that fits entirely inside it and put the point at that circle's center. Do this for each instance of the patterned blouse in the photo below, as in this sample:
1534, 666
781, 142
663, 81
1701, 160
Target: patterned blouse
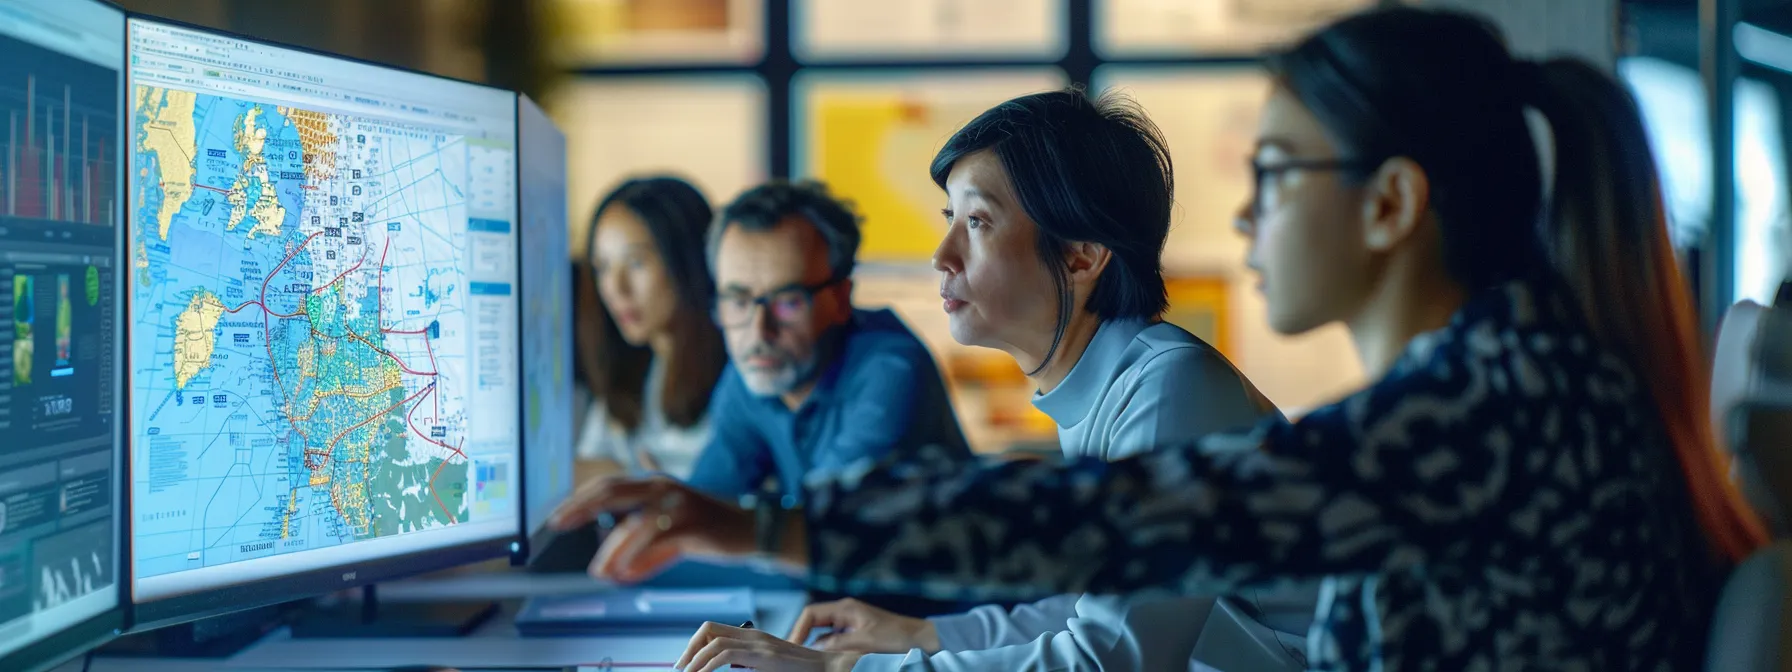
1502, 499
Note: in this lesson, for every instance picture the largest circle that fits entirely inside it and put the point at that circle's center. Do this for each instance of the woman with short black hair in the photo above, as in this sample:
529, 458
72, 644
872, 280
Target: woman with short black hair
1058, 207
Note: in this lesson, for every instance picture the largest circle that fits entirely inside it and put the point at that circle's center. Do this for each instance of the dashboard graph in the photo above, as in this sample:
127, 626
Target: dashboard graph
60, 144
307, 294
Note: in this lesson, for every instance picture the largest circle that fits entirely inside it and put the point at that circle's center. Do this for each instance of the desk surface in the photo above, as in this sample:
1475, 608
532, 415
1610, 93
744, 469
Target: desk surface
494, 645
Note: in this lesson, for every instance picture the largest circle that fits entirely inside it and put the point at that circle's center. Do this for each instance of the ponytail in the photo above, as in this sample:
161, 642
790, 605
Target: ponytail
1606, 235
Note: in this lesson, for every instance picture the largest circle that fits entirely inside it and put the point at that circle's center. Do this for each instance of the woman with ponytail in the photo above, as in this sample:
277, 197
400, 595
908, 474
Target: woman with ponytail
1528, 483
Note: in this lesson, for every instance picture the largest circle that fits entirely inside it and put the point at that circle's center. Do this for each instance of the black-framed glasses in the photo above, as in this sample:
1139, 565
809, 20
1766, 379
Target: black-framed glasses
786, 305
1262, 171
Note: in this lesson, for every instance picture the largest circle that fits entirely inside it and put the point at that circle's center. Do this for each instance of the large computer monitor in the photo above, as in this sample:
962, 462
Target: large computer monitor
546, 324
323, 386
60, 87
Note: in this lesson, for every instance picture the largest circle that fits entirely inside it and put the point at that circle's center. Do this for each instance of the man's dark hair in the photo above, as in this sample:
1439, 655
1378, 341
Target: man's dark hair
762, 207
1090, 171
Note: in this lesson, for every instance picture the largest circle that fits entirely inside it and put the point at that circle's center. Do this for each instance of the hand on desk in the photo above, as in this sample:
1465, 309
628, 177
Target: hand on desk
665, 520
863, 628
717, 646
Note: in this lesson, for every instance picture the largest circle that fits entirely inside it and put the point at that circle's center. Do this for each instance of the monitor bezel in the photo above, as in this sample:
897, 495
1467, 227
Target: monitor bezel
69, 643
82, 637
221, 600
530, 541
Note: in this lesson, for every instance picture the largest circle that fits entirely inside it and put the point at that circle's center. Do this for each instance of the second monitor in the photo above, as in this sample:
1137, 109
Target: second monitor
323, 386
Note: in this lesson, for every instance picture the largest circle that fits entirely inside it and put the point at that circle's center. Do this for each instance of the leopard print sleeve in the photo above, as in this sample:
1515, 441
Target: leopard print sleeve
1396, 474
1501, 498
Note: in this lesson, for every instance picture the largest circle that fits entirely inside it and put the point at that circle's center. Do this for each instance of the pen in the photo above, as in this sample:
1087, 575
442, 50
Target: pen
744, 626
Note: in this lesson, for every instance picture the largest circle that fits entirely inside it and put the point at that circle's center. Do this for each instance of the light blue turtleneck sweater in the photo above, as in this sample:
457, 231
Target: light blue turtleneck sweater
1136, 387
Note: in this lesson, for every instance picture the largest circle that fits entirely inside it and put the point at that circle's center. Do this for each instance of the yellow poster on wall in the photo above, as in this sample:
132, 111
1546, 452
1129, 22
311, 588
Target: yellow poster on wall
1200, 305
872, 139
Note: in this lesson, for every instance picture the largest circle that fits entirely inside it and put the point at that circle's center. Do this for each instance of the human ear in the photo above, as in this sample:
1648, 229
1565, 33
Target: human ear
1085, 261
1397, 196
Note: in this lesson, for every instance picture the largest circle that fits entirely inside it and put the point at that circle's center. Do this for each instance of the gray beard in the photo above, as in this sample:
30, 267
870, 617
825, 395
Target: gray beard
785, 380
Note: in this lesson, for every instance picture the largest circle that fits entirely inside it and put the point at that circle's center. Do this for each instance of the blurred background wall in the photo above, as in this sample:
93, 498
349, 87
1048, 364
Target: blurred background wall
860, 93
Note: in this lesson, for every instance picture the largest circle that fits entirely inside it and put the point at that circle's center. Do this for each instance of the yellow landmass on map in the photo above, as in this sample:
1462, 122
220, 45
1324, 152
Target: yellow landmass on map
193, 337
238, 198
292, 509
169, 134
267, 213
874, 149
251, 138
317, 141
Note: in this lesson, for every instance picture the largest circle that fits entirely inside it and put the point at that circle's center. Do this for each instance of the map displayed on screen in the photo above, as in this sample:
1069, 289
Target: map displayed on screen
310, 295
294, 315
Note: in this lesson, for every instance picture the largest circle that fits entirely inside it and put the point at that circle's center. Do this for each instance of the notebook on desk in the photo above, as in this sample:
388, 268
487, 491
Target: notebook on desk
633, 611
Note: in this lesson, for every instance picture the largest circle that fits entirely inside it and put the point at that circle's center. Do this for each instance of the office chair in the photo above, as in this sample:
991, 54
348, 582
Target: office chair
1751, 398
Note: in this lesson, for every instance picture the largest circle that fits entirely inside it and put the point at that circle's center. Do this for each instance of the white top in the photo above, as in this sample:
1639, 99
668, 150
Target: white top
674, 448
1137, 387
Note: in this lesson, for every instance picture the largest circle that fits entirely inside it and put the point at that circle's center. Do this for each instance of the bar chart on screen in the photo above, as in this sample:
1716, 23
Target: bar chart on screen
58, 147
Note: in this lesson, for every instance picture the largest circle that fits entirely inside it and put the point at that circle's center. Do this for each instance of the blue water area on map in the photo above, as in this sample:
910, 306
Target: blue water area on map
217, 452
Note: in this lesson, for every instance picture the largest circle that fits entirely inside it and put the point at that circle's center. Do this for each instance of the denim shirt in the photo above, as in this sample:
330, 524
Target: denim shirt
881, 392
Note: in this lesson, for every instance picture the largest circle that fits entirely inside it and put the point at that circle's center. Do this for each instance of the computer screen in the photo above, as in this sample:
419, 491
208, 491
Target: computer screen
60, 86
547, 317
323, 342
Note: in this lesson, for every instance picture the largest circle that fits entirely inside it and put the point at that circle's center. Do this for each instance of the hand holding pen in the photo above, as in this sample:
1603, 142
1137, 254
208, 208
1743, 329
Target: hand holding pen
719, 647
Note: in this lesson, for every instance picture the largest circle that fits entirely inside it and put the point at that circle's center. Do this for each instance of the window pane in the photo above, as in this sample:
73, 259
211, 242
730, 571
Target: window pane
1672, 100
711, 130
1209, 119
585, 33
872, 136
921, 29
1172, 27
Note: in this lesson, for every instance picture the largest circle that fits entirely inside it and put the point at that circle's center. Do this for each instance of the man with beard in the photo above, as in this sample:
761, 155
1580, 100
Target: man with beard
814, 384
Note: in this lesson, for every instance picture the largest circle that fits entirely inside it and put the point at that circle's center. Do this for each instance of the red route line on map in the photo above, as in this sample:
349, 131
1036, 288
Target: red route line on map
344, 274
379, 302
432, 477
407, 420
438, 496
332, 448
267, 328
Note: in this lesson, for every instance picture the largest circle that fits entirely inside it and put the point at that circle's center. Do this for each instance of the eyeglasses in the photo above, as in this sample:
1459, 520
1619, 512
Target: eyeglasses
786, 305
1261, 172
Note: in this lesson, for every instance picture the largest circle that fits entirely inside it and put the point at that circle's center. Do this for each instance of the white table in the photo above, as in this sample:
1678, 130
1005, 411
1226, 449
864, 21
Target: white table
493, 645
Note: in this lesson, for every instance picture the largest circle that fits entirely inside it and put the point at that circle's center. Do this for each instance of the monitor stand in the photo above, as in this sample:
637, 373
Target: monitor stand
565, 552
369, 618
213, 638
